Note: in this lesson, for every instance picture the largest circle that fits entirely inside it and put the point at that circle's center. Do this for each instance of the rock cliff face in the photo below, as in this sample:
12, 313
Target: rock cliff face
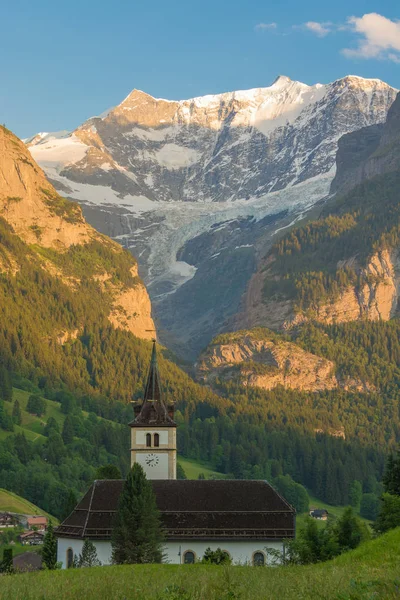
368, 152
163, 177
31, 205
260, 359
45, 220
375, 297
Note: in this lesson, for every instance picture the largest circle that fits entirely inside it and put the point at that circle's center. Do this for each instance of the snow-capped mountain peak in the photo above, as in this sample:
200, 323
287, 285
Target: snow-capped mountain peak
158, 175
218, 147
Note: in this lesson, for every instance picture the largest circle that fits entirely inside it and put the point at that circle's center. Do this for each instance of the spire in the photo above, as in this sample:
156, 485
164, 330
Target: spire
152, 390
153, 410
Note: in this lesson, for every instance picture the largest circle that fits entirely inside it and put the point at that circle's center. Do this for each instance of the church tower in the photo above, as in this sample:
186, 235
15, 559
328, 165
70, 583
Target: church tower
153, 430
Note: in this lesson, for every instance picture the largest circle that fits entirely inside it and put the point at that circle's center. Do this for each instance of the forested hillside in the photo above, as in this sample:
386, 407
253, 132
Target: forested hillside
255, 434
352, 247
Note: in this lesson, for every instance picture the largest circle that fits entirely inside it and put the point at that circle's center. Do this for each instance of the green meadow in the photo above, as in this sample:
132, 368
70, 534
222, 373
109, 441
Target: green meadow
194, 468
10, 502
371, 572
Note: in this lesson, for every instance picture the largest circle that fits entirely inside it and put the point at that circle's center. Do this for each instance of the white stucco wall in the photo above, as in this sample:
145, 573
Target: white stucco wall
103, 550
241, 552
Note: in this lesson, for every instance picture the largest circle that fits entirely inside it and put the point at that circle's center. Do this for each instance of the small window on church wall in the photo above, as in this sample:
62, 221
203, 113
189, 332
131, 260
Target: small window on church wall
258, 559
148, 440
156, 440
70, 558
188, 557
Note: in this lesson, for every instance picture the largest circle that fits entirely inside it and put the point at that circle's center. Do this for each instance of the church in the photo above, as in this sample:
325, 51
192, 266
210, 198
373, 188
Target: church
242, 517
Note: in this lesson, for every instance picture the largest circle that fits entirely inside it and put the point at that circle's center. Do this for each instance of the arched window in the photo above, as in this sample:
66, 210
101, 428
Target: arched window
148, 440
70, 558
156, 440
258, 559
189, 557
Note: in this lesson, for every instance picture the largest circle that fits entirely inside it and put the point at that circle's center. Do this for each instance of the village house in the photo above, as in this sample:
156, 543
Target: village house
39, 523
319, 513
31, 538
243, 518
8, 520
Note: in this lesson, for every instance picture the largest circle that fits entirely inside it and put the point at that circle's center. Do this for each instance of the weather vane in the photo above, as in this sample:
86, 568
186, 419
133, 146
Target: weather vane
153, 331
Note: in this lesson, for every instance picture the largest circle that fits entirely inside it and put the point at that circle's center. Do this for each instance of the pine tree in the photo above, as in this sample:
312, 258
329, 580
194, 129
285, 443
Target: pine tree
355, 495
137, 534
391, 478
108, 472
22, 448
69, 505
88, 558
6, 565
6, 390
350, 531
389, 513
49, 550
180, 472
36, 405
6, 421
51, 424
16, 413
369, 507
68, 431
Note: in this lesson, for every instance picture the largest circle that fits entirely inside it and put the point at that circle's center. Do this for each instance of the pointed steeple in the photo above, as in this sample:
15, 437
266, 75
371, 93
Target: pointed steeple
153, 410
152, 390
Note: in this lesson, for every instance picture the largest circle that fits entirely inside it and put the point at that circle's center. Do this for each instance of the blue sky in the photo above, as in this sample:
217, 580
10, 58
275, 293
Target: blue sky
61, 63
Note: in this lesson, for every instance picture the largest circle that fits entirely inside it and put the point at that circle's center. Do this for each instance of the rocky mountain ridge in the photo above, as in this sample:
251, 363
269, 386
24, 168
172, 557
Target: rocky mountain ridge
55, 231
258, 358
165, 178
374, 297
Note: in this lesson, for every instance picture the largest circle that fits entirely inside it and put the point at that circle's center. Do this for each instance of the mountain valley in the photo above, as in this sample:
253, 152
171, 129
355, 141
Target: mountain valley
320, 395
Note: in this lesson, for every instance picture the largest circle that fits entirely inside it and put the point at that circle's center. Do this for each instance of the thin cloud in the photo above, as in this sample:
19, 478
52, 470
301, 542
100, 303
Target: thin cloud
379, 38
320, 29
265, 26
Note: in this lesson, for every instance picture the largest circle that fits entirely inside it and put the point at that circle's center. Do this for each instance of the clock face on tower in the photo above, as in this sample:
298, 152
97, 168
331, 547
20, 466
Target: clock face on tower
152, 460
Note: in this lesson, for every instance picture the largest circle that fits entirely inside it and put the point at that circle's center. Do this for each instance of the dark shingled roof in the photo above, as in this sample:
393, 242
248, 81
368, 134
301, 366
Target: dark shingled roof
218, 509
153, 410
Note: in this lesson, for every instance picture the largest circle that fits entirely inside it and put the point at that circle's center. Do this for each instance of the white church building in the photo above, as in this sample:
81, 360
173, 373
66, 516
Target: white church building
242, 517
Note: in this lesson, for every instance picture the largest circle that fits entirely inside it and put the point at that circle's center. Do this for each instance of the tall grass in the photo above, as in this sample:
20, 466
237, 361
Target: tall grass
371, 572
